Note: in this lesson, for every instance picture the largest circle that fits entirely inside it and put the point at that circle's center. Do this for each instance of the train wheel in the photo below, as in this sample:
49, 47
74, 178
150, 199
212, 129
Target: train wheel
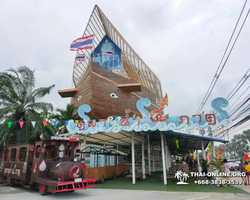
43, 189
102, 179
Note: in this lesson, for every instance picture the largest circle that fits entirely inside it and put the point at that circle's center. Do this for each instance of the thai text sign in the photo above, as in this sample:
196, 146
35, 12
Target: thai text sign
150, 120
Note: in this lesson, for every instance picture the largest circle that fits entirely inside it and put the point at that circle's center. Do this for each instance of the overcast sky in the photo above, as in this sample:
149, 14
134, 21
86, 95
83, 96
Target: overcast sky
181, 41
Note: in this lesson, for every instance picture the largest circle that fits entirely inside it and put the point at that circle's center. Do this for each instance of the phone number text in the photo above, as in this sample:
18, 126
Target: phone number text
219, 182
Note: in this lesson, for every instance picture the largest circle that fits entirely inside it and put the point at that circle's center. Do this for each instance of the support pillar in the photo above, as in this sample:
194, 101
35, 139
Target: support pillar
153, 157
133, 157
213, 149
166, 152
149, 158
198, 160
143, 157
117, 157
203, 151
163, 159
84, 145
104, 157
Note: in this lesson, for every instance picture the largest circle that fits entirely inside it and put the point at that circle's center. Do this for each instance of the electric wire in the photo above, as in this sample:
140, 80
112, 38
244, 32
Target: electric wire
244, 78
216, 76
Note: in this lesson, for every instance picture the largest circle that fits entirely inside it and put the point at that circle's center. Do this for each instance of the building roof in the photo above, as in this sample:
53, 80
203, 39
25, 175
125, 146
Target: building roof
133, 67
186, 141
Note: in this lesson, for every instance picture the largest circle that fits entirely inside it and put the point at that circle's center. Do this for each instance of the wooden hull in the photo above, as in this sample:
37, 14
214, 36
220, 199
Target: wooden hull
96, 87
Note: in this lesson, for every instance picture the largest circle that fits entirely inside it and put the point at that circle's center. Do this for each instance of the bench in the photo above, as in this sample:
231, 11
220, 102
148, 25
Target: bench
138, 175
169, 178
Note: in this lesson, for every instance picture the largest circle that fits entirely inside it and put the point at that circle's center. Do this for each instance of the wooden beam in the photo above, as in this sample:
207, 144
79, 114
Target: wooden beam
130, 87
68, 92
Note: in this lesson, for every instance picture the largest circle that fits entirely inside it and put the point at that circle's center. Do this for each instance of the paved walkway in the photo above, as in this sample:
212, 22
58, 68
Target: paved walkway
243, 187
97, 194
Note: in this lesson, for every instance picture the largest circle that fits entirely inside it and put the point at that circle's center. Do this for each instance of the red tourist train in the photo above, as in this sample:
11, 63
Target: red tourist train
47, 165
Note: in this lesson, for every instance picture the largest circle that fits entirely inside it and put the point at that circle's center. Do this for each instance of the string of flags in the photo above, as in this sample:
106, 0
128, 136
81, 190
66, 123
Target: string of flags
21, 123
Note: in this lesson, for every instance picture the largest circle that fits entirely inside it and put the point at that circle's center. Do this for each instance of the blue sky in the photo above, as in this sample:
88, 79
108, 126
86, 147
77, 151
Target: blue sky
181, 41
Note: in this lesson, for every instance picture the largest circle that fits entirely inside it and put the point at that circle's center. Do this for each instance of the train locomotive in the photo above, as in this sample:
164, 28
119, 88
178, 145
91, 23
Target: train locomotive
48, 165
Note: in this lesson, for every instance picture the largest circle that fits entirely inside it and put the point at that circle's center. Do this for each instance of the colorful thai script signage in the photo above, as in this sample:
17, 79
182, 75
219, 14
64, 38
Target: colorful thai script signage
151, 120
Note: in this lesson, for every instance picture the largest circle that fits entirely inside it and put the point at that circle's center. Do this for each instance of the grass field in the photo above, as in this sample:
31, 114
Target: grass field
153, 182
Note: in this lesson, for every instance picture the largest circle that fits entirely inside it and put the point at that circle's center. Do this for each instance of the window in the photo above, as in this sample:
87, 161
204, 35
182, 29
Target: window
37, 151
13, 155
68, 152
50, 152
22, 156
6, 155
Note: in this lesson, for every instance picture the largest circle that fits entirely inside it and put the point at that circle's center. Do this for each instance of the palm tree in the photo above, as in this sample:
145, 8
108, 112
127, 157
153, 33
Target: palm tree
65, 115
19, 102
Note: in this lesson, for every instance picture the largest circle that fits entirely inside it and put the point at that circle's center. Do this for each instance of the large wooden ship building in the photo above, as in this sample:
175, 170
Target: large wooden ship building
111, 84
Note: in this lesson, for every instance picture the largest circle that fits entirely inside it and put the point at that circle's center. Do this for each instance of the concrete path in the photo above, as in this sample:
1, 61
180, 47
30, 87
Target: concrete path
108, 194
243, 187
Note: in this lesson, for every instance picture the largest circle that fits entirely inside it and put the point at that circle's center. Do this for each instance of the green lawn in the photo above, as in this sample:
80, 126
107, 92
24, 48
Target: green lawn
154, 182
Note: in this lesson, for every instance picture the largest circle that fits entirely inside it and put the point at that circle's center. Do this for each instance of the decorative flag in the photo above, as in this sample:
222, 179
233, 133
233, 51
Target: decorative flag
44, 123
82, 43
80, 57
57, 133
33, 123
41, 136
9, 124
76, 121
21, 124
177, 144
55, 122
210, 149
108, 53
67, 122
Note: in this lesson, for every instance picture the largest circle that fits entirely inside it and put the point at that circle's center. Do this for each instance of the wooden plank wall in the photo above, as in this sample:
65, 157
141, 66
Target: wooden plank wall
96, 87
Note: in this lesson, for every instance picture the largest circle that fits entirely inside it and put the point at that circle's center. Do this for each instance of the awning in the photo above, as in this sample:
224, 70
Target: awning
122, 138
102, 151
188, 142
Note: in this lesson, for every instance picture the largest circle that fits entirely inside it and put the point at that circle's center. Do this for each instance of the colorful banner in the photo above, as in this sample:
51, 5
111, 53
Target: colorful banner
152, 121
21, 123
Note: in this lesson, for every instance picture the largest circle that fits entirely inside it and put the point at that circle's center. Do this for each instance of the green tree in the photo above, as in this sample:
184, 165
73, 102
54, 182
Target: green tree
64, 115
19, 101
246, 135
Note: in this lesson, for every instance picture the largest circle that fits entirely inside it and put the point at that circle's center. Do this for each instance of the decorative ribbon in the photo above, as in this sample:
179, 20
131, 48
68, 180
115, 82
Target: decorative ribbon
210, 149
177, 143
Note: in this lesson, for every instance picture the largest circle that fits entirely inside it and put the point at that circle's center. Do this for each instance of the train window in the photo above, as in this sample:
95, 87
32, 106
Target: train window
37, 151
13, 155
68, 152
22, 156
50, 152
53, 152
6, 155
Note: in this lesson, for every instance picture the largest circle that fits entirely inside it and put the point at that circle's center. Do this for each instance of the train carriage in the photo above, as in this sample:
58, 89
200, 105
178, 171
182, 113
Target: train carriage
48, 165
